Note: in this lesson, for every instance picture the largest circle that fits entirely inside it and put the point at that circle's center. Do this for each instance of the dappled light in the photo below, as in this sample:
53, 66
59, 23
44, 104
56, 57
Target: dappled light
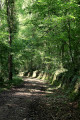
32, 87
39, 60
35, 99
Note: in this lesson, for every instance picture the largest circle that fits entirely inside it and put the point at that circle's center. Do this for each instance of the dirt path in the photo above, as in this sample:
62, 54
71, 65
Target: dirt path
32, 101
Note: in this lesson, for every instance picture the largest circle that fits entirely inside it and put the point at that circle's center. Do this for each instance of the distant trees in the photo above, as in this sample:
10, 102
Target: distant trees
56, 33
39, 35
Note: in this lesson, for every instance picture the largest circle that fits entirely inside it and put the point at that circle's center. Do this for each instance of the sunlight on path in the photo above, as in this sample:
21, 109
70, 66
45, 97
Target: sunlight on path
33, 100
32, 87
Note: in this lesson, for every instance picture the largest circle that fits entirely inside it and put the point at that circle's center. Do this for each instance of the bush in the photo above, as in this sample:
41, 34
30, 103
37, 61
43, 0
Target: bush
16, 81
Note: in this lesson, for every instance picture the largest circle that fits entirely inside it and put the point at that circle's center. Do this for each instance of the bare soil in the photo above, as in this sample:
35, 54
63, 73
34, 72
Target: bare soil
34, 101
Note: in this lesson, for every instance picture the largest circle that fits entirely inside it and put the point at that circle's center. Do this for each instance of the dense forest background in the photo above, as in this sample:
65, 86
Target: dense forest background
41, 36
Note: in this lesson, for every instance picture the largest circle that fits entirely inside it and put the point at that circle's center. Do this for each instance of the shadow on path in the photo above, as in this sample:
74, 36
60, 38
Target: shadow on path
32, 101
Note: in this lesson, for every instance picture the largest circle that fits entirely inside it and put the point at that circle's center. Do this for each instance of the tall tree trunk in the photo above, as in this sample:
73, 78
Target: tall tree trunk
10, 21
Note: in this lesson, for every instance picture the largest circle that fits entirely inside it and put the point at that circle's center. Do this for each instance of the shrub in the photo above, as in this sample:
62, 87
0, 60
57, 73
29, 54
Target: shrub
16, 81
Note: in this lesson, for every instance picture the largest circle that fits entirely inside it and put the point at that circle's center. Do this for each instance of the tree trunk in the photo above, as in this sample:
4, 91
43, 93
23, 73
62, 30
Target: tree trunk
10, 21
69, 36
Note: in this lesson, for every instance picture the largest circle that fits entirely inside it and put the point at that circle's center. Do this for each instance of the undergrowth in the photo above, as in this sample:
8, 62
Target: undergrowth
68, 81
16, 81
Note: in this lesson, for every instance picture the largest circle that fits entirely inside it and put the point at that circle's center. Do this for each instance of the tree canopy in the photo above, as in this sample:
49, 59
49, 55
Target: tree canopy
39, 35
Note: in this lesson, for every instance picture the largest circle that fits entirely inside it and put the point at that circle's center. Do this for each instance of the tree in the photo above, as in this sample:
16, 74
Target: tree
56, 31
10, 6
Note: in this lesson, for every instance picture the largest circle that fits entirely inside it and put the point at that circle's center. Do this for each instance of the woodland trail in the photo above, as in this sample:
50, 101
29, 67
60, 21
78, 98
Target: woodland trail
34, 101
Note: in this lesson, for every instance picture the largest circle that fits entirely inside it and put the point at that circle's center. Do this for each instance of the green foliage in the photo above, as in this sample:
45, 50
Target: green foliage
45, 37
16, 81
4, 85
70, 83
74, 96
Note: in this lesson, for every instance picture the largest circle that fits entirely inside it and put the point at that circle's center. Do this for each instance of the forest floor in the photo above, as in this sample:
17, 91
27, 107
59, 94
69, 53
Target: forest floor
35, 100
